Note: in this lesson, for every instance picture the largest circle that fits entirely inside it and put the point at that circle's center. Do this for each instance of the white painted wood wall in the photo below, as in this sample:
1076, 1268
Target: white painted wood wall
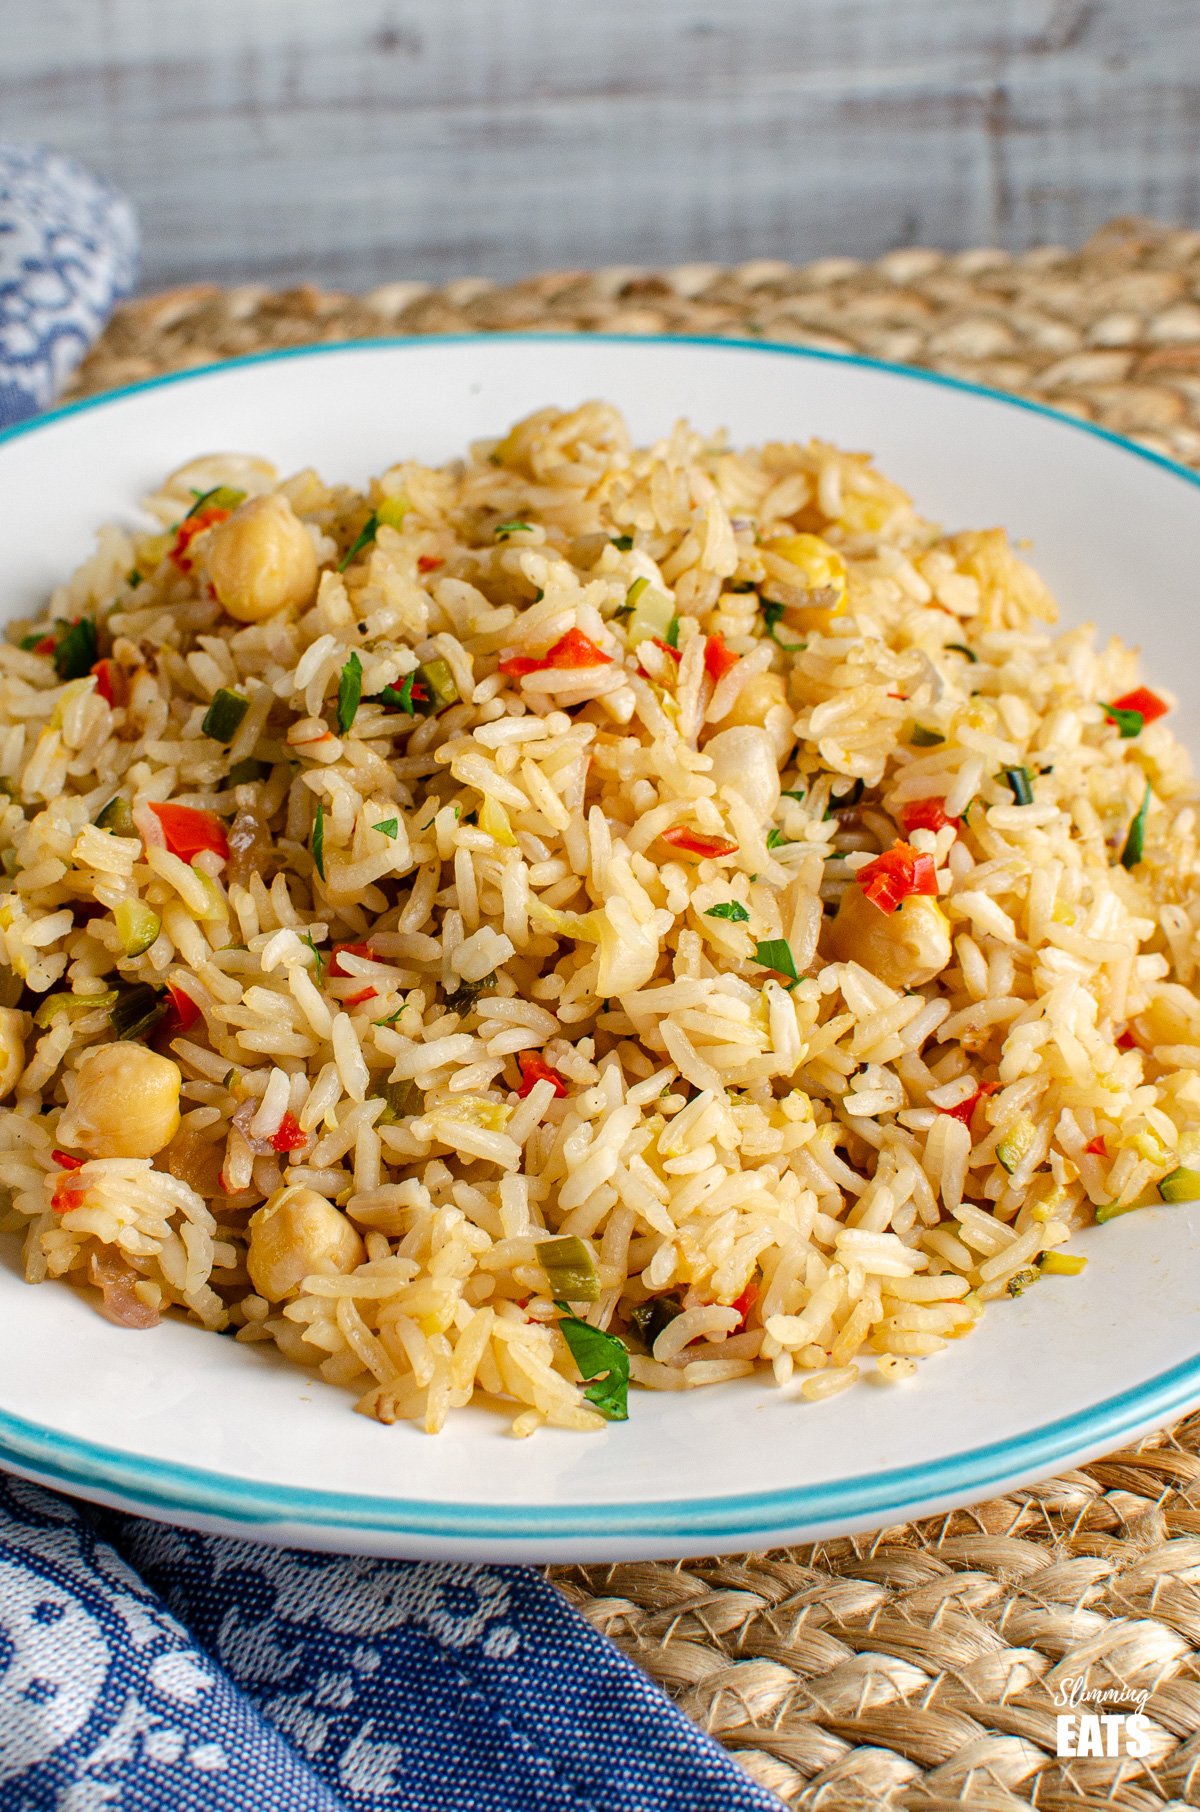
352, 141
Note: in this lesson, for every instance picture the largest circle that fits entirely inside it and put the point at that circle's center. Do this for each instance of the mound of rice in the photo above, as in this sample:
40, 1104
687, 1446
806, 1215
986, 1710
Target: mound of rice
532, 916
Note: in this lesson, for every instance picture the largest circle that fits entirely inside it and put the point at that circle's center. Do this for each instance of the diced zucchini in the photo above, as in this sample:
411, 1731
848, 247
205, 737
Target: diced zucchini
439, 682
570, 1268
401, 1099
137, 1011
246, 773
72, 1006
223, 716
137, 926
1182, 1185
649, 1319
1016, 1143
117, 818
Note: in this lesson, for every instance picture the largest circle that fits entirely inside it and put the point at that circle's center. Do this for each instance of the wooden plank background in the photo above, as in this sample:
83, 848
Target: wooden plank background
354, 141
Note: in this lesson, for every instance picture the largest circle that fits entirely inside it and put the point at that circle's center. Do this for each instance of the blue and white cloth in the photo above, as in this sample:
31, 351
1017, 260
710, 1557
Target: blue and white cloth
150, 1669
68, 252
155, 1670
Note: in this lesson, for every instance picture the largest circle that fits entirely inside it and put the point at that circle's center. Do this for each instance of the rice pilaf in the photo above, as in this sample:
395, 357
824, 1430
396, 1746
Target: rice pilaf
582, 915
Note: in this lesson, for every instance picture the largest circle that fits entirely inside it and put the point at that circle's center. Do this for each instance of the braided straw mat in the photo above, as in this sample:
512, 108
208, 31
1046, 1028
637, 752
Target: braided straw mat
918, 1667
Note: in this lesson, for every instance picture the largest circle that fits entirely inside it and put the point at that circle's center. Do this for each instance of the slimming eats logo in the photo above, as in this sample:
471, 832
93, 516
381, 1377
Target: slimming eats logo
1101, 1721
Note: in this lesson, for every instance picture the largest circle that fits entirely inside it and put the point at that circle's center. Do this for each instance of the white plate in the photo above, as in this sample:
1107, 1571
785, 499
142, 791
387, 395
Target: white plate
202, 1431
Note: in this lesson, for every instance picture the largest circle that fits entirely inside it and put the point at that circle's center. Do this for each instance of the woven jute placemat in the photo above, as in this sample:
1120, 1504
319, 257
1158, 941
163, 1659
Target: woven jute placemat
921, 1666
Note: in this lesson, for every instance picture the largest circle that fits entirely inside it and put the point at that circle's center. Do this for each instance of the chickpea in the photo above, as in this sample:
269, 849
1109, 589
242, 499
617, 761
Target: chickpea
905, 948
262, 561
298, 1234
12, 1049
762, 704
125, 1105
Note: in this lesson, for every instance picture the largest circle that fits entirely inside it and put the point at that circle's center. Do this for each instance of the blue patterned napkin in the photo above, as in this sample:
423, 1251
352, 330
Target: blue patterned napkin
148, 1669
68, 252
155, 1670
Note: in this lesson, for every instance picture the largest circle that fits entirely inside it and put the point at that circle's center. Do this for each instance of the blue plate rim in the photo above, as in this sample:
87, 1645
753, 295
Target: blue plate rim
164, 1486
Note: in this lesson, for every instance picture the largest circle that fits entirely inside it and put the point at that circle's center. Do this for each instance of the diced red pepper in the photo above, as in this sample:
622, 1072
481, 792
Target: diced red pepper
289, 1135
183, 1012
335, 968
65, 1161
356, 1000
697, 844
534, 1068
1127, 1042
1096, 1148
667, 648
964, 1111
897, 875
573, 650
190, 528
926, 814
429, 563
188, 831
47, 645
1143, 700
718, 660
110, 682
744, 1303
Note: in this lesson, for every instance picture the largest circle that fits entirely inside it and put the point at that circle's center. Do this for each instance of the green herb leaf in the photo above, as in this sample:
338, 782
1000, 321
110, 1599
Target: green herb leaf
75, 650
1135, 842
309, 940
133, 578
622, 542
771, 616
776, 838
503, 530
391, 1018
318, 840
733, 910
364, 538
225, 713
673, 633
796, 793
349, 693
776, 953
1129, 723
1021, 784
389, 827
30, 642
603, 1362
921, 738
399, 696
961, 648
